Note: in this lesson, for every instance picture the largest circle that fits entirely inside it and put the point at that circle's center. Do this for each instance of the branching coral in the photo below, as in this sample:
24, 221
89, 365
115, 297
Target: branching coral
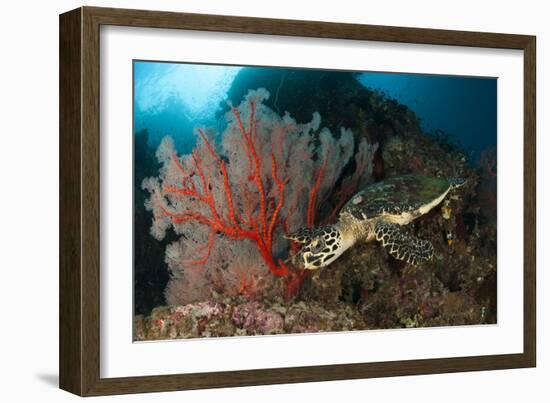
232, 200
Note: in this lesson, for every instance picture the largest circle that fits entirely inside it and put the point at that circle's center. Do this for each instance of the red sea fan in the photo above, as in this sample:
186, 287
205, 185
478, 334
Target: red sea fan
232, 201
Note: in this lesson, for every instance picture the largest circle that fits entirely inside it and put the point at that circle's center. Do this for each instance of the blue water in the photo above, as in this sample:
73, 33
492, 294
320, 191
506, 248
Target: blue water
463, 107
173, 99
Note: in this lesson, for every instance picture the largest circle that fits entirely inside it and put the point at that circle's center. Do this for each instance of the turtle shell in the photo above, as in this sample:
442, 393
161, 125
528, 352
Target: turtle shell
396, 196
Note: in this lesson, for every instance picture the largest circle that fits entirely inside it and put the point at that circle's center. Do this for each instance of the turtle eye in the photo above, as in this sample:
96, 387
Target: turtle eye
317, 245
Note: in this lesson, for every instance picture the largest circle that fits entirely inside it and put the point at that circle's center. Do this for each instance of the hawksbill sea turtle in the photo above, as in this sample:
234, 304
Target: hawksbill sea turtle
377, 213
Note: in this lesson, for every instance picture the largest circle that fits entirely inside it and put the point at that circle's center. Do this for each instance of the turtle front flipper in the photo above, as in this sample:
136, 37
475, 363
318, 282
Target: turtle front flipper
401, 245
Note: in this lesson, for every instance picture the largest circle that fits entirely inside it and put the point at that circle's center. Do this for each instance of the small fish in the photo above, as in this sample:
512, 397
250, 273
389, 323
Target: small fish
450, 237
446, 210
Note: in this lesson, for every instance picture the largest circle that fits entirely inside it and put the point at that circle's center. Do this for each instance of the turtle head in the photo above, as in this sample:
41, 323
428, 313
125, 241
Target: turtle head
321, 246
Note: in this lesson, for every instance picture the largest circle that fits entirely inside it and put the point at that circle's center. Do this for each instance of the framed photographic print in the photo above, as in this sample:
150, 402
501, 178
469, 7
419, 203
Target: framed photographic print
272, 201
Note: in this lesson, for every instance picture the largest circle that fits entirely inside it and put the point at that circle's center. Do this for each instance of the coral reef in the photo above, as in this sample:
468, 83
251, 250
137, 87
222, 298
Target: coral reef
239, 317
222, 211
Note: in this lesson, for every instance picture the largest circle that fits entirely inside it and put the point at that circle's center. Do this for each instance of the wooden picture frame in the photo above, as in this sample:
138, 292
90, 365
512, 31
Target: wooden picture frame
79, 346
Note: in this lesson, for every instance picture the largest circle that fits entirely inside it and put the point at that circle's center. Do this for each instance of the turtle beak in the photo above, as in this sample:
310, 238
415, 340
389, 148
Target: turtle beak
311, 262
306, 257
304, 260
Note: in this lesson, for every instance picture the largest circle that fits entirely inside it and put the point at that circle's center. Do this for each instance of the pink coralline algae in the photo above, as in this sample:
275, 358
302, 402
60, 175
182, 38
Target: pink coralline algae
236, 316
251, 316
234, 197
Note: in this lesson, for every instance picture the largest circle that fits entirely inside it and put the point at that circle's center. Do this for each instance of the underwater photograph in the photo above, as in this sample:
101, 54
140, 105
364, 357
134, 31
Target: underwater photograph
278, 200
